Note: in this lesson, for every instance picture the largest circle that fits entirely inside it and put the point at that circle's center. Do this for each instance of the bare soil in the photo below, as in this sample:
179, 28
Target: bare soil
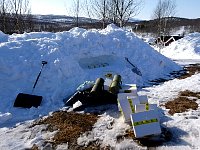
190, 70
187, 71
70, 126
183, 102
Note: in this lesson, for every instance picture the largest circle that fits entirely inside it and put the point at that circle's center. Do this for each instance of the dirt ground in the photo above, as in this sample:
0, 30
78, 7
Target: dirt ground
190, 70
185, 101
187, 71
71, 125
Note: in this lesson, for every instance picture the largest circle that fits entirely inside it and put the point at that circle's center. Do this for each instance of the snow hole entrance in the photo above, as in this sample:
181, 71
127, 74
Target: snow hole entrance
98, 62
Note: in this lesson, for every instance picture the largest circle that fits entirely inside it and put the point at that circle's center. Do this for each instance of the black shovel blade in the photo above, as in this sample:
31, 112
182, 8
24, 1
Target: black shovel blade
27, 100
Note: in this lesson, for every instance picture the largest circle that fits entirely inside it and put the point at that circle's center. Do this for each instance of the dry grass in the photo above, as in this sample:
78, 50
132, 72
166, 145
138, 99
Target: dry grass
188, 93
187, 71
191, 70
70, 126
183, 103
128, 135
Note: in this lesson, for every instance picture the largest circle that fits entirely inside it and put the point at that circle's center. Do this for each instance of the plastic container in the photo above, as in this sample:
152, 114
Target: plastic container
126, 104
145, 107
145, 123
129, 88
143, 99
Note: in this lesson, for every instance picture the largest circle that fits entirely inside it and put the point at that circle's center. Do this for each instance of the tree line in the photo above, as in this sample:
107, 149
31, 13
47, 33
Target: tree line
174, 24
107, 11
16, 17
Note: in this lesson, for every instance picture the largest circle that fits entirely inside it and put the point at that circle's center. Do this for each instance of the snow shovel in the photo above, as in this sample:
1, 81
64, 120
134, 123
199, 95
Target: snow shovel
29, 100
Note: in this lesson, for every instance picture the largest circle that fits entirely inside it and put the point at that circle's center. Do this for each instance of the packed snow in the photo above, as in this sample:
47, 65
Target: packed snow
73, 57
185, 48
77, 56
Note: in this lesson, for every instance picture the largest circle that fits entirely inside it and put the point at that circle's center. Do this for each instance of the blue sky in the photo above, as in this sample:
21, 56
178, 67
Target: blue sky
185, 8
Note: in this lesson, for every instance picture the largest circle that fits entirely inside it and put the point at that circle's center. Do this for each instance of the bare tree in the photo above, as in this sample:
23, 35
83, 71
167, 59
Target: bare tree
116, 11
112, 15
19, 9
4, 15
74, 10
124, 9
28, 23
164, 10
87, 10
99, 9
77, 12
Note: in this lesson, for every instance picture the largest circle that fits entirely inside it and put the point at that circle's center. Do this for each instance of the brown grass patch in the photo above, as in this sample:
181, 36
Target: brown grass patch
191, 70
183, 103
129, 134
70, 126
187, 71
190, 94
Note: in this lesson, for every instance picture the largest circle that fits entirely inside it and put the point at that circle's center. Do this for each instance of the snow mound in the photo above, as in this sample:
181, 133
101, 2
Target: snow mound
73, 57
185, 48
4, 117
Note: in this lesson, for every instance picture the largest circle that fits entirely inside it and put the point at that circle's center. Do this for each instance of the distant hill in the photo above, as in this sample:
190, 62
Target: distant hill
135, 20
61, 22
56, 23
61, 19
175, 23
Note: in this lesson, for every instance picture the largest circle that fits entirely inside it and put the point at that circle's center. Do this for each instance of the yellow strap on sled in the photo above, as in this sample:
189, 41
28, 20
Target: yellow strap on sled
120, 108
145, 122
147, 106
131, 105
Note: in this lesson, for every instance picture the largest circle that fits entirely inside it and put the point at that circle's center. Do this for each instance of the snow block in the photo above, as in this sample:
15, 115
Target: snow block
126, 104
145, 107
145, 123
129, 88
143, 99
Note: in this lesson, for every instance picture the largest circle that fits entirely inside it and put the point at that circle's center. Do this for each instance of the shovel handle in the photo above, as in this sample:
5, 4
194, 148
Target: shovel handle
43, 63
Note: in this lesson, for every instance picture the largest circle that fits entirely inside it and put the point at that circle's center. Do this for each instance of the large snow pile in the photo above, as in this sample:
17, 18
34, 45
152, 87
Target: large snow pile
185, 48
73, 57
